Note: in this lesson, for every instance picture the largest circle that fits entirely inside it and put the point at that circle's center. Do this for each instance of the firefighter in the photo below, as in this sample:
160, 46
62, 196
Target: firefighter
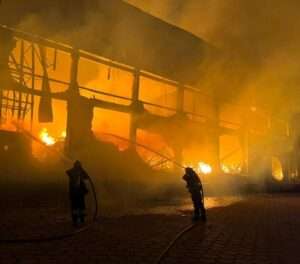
194, 185
77, 191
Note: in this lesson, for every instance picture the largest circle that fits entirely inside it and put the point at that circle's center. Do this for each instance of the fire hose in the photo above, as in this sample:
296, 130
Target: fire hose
64, 235
173, 242
95, 216
58, 236
187, 228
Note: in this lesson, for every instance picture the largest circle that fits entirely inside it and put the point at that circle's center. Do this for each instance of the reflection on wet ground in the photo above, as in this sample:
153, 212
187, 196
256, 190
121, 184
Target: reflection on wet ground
184, 206
42, 221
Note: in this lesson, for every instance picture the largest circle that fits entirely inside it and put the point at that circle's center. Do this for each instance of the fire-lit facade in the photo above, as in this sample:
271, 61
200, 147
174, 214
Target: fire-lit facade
66, 95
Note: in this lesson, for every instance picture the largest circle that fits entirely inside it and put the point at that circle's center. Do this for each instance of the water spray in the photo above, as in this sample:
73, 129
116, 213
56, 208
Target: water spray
188, 228
68, 160
145, 147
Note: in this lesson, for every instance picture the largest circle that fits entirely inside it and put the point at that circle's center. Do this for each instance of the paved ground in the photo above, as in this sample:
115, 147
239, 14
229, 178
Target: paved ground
264, 229
258, 229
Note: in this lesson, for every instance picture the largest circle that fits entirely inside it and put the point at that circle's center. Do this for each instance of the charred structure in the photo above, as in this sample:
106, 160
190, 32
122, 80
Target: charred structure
30, 83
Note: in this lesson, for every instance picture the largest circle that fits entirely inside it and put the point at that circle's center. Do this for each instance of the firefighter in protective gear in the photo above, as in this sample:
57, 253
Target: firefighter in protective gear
77, 191
194, 185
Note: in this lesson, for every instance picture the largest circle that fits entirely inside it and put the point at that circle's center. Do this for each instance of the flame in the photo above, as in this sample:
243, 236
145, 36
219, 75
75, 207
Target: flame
225, 168
63, 134
204, 168
277, 170
231, 169
46, 138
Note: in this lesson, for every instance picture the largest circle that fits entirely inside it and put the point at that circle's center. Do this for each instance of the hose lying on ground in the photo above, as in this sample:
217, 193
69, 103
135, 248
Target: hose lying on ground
64, 235
173, 242
59, 236
95, 216
186, 229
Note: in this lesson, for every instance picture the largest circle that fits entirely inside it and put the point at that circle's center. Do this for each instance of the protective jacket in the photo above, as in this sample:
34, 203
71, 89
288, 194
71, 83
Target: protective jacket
193, 182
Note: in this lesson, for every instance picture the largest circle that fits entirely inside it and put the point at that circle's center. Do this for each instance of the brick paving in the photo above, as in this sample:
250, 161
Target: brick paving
263, 229
258, 229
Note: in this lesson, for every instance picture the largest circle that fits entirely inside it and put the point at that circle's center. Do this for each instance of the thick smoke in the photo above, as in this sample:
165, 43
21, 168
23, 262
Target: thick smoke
258, 40
258, 61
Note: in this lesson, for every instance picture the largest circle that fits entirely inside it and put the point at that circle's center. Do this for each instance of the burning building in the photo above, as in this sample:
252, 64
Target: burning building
97, 68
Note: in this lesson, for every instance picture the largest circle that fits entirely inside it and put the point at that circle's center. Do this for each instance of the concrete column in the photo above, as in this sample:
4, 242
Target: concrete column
135, 106
79, 114
45, 111
215, 138
8, 43
74, 73
178, 146
244, 141
180, 99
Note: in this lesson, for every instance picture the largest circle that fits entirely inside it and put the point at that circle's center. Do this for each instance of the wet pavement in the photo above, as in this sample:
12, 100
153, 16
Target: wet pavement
254, 229
183, 207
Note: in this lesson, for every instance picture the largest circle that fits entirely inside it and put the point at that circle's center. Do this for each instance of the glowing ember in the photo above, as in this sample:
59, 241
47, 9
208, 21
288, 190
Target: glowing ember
277, 170
204, 168
231, 169
64, 134
46, 138
225, 168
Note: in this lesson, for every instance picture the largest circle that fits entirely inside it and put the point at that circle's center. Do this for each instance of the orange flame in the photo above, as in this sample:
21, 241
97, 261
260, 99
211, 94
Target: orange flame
46, 138
204, 168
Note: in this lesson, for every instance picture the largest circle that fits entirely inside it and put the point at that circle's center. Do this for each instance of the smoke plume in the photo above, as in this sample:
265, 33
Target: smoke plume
258, 41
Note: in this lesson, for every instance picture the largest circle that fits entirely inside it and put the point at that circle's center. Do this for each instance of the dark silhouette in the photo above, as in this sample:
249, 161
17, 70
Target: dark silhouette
77, 190
194, 186
8, 43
